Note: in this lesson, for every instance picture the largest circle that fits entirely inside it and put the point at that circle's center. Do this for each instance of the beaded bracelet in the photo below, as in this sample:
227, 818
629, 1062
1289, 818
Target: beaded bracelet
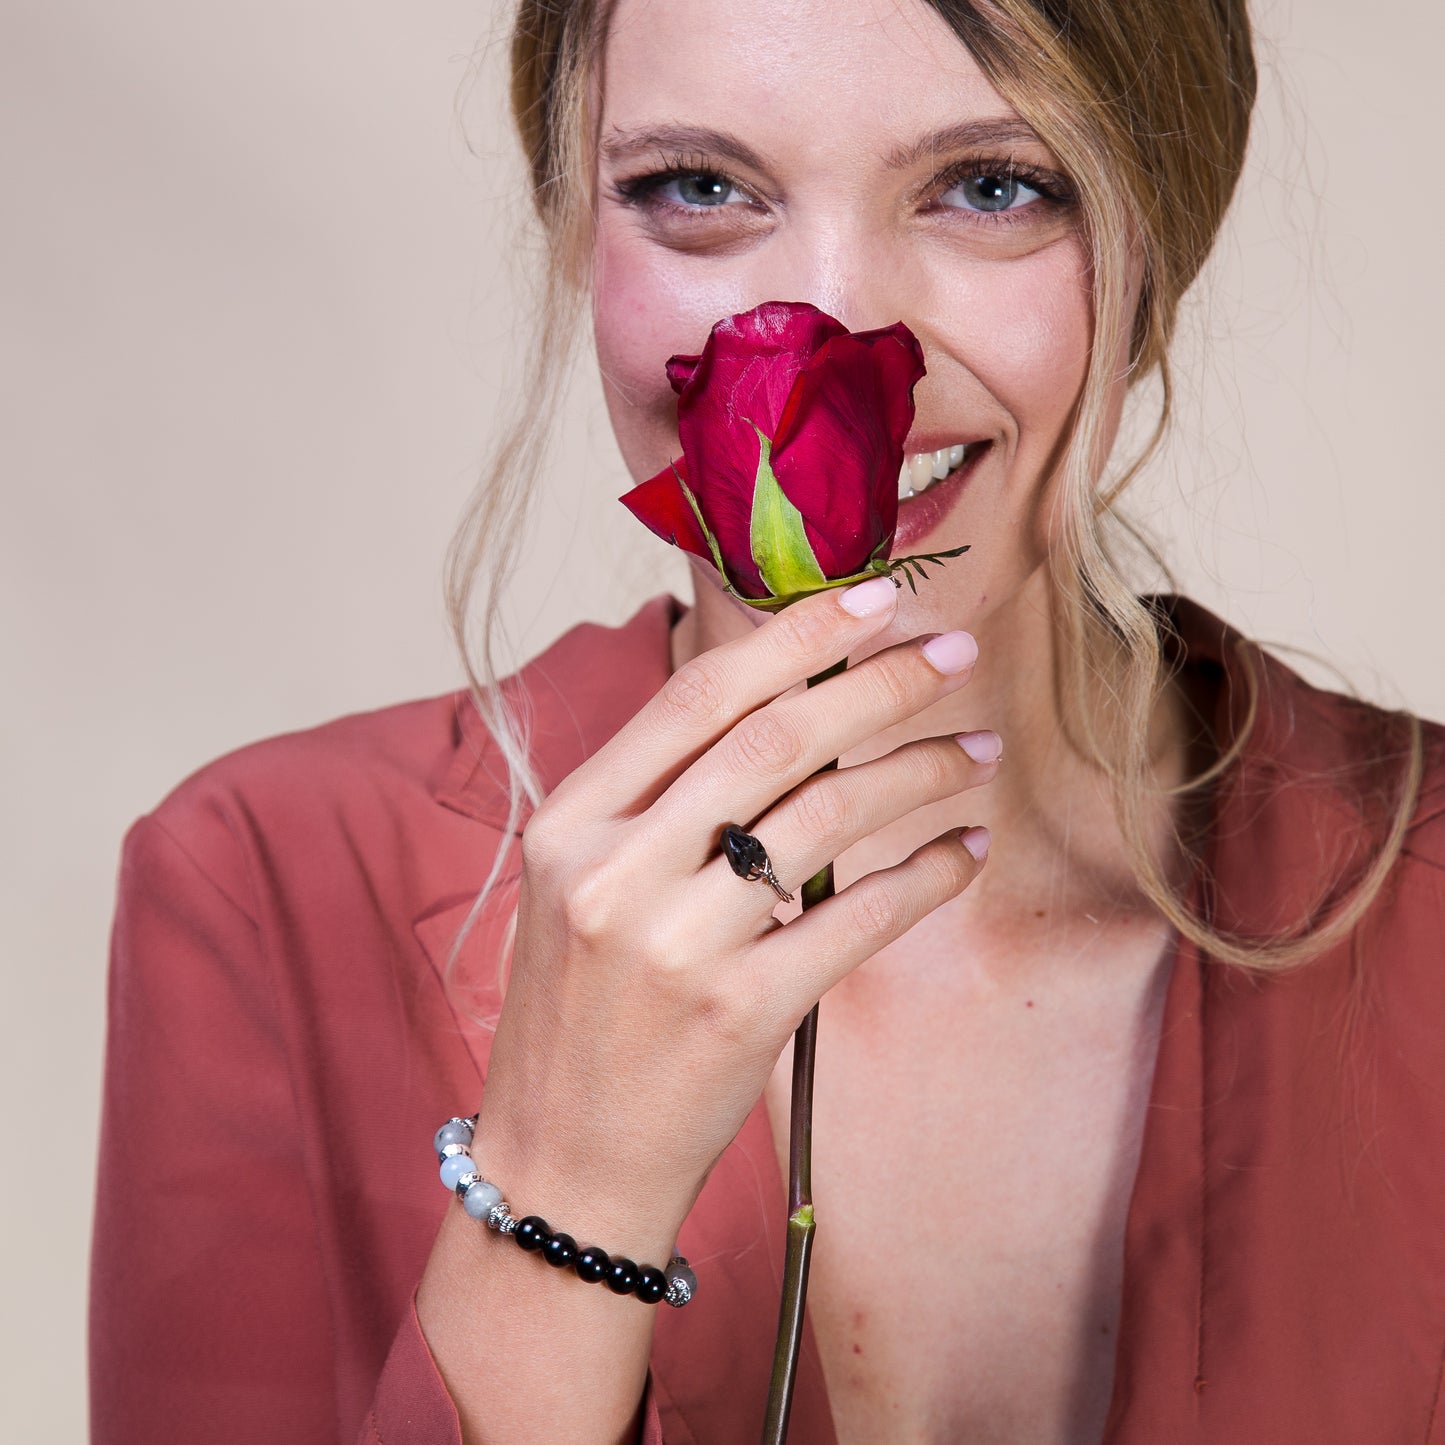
483, 1200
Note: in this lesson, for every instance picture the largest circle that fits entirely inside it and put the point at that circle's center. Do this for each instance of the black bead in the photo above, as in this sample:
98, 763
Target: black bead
560, 1250
744, 853
651, 1285
621, 1275
532, 1232
591, 1263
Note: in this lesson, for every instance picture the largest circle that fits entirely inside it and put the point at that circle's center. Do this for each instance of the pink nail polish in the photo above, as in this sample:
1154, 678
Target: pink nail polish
868, 599
976, 840
951, 652
982, 747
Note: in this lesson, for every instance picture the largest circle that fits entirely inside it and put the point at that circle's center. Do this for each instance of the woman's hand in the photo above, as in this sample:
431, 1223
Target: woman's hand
652, 990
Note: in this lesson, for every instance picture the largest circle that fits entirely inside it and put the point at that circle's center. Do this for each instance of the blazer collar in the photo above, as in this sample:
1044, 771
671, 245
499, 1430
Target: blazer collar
576, 695
1297, 817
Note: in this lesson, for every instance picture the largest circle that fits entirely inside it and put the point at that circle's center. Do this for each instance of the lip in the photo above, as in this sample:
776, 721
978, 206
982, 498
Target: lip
918, 516
931, 441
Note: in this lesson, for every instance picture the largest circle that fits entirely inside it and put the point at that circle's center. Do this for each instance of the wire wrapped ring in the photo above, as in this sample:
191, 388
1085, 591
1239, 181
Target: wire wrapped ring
749, 859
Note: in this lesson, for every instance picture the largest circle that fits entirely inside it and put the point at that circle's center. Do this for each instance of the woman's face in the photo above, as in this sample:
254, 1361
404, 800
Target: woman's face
849, 153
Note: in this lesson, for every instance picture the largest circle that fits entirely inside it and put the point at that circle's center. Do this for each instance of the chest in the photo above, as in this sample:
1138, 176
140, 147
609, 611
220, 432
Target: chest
973, 1165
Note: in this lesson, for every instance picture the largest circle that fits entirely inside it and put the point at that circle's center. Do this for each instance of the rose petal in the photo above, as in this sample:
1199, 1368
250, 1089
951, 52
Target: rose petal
746, 370
726, 502
659, 503
680, 370
840, 440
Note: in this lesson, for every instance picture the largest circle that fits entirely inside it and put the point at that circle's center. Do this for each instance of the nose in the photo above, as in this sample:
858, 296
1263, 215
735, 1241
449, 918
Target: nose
839, 269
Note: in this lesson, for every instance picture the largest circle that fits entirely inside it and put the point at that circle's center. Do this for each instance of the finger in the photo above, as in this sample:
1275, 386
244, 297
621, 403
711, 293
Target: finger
831, 811
825, 944
777, 747
707, 695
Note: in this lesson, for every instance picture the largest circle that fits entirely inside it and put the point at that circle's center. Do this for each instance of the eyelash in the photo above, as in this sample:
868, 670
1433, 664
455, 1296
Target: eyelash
638, 190
1053, 191
1051, 187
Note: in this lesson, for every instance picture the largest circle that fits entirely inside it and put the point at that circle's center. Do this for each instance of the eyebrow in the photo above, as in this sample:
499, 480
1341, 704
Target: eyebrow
624, 145
967, 135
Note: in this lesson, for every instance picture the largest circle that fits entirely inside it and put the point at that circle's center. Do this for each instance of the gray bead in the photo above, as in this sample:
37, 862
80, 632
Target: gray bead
481, 1198
454, 1131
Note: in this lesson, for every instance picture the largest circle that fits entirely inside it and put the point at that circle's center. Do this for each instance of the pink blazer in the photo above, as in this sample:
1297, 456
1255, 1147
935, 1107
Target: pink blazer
283, 1041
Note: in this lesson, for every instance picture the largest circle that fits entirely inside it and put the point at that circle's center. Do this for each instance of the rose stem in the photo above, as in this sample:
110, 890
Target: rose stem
800, 1182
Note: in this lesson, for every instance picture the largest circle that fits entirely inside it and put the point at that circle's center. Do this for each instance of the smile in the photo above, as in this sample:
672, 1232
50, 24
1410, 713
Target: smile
921, 470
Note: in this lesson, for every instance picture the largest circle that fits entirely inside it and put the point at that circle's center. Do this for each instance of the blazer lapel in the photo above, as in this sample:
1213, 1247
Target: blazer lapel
575, 696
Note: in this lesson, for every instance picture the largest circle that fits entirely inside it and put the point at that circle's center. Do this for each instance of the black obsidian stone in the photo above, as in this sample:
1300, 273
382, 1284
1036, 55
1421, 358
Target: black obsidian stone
744, 853
532, 1232
651, 1285
560, 1250
592, 1264
621, 1276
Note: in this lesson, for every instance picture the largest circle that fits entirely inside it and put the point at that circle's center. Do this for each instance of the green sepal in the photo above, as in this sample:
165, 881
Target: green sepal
780, 545
877, 567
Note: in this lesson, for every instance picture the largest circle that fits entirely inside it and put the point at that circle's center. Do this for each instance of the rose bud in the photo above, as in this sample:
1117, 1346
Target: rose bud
792, 432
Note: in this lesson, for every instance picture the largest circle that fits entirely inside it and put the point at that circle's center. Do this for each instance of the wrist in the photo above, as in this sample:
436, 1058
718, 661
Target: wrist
609, 1209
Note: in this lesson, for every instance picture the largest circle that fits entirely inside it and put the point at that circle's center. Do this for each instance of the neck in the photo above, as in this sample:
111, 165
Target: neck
1051, 811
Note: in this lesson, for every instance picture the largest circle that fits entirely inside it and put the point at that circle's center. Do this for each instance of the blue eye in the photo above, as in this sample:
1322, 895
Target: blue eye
990, 193
704, 188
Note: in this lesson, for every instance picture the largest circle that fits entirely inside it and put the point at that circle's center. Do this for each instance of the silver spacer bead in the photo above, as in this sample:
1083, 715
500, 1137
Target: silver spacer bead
499, 1217
450, 1151
681, 1282
466, 1182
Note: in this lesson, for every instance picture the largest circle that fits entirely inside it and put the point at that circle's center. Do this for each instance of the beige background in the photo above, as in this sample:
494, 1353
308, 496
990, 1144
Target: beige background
256, 333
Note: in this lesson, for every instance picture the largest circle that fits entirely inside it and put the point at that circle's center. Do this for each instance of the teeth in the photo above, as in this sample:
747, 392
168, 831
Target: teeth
920, 470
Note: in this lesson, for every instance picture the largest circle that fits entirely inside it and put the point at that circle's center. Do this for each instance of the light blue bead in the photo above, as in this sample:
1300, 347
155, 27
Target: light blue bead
451, 1133
480, 1198
454, 1166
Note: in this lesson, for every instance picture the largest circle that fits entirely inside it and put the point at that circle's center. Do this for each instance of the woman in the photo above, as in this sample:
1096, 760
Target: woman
1091, 1163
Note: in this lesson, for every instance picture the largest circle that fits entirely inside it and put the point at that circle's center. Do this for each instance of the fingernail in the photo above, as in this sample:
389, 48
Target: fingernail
867, 599
976, 840
950, 652
982, 747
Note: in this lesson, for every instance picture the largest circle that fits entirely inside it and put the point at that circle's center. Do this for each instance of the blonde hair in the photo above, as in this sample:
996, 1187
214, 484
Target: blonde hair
1147, 107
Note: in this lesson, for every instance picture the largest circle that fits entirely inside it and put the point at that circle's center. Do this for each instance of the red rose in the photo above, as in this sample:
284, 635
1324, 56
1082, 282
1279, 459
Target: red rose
792, 433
